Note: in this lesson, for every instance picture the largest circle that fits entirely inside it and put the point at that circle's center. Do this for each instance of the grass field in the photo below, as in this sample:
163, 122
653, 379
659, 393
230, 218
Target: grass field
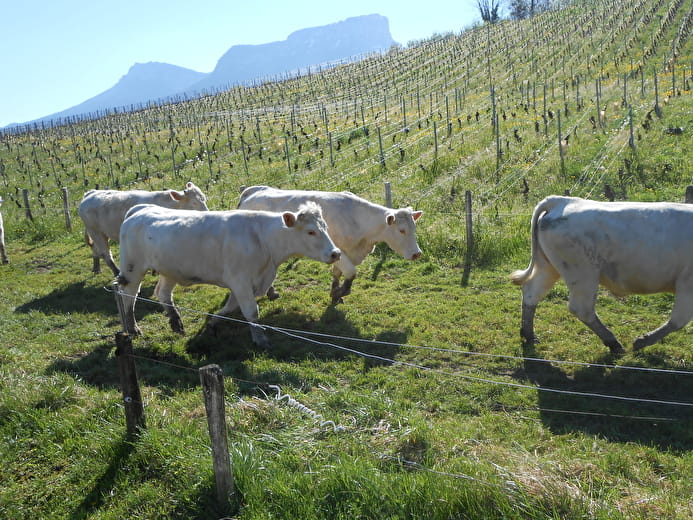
439, 411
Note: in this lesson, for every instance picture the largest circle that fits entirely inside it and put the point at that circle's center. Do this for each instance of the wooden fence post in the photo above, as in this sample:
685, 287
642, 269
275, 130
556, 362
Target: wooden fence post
631, 139
657, 107
380, 147
560, 145
212, 379
388, 195
435, 141
132, 397
689, 194
27, 209
66, 209
470, 238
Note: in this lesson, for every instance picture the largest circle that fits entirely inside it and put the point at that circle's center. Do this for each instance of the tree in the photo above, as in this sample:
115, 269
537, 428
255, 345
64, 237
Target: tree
519, 9
489, 10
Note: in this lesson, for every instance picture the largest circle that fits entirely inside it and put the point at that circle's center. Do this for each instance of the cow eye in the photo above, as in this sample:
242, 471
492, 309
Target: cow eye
403, 231
312, 233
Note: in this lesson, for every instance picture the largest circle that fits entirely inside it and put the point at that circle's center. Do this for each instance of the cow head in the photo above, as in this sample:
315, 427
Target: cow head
190, 198
400, 233
311, 237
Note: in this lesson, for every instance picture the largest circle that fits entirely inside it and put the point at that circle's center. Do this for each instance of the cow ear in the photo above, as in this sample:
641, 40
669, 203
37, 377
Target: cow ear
390, 218
176, 195
417, 215
289, 219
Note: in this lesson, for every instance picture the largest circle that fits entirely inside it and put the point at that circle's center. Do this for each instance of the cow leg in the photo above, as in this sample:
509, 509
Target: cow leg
343, 267
527, 328
336, 290
532, 293
2, 252
109, 261
244, 298
583, 298
99, 248
129, 288
272, 293
681, 314
164, 293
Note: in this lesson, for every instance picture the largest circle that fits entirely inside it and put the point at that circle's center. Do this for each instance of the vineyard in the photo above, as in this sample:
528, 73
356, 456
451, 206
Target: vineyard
593, 99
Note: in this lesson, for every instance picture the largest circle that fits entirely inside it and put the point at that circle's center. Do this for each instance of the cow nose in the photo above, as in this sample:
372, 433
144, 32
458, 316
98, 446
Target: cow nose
335, 255
416, 255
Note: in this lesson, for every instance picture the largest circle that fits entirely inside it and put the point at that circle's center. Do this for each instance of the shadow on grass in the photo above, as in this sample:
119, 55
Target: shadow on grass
80, 297
635, 411
332, 337
165, 370
228, 344
95, 498
204, 506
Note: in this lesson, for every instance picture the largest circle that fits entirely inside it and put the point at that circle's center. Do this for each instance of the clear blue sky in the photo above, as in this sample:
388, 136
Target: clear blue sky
54, 54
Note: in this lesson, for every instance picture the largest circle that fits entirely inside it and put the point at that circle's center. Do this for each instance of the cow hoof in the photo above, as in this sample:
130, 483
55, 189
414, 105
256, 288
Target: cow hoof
263, 344
272, 294
177, 326
337, 300
640, 343
616, 349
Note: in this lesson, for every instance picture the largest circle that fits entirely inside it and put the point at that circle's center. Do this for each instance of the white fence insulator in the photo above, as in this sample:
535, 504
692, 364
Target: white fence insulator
304, 409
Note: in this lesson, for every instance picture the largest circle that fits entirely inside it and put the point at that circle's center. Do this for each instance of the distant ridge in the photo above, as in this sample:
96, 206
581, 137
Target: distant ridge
142, 83
303, 48
152, 82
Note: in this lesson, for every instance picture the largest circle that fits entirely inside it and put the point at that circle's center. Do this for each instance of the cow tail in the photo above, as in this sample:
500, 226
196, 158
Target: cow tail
521, 276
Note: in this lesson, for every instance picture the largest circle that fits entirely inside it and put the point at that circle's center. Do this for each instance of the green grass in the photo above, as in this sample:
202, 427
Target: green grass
442, 415
430, 442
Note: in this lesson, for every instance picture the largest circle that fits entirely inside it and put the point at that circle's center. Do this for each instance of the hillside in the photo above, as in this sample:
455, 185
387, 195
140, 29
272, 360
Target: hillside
438, 410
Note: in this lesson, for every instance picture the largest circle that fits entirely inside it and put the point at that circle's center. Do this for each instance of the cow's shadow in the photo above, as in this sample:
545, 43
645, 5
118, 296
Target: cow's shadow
79, 297
621, 405
293, 337
72, 298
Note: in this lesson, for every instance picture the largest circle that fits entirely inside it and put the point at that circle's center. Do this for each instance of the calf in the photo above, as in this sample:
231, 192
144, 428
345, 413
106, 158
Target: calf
355, 224
3, 255
628, 247
238, 250
103, 212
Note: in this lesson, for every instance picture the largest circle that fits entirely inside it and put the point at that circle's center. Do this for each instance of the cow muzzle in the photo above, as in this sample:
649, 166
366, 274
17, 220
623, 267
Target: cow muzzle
334, 256
416, 256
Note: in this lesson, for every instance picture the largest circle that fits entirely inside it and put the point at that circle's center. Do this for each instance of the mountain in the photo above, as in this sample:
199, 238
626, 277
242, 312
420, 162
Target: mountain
142, 83
153, 81
303, 48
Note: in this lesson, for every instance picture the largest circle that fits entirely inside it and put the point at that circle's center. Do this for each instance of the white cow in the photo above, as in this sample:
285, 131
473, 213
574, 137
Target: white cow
239, 250
103, 211
2, 238
355, 225
628, 247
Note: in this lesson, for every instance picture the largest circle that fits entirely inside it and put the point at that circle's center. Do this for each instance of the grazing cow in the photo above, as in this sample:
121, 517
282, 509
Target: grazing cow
355, 224
103, 211
628, 247
239, 250
2, 238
